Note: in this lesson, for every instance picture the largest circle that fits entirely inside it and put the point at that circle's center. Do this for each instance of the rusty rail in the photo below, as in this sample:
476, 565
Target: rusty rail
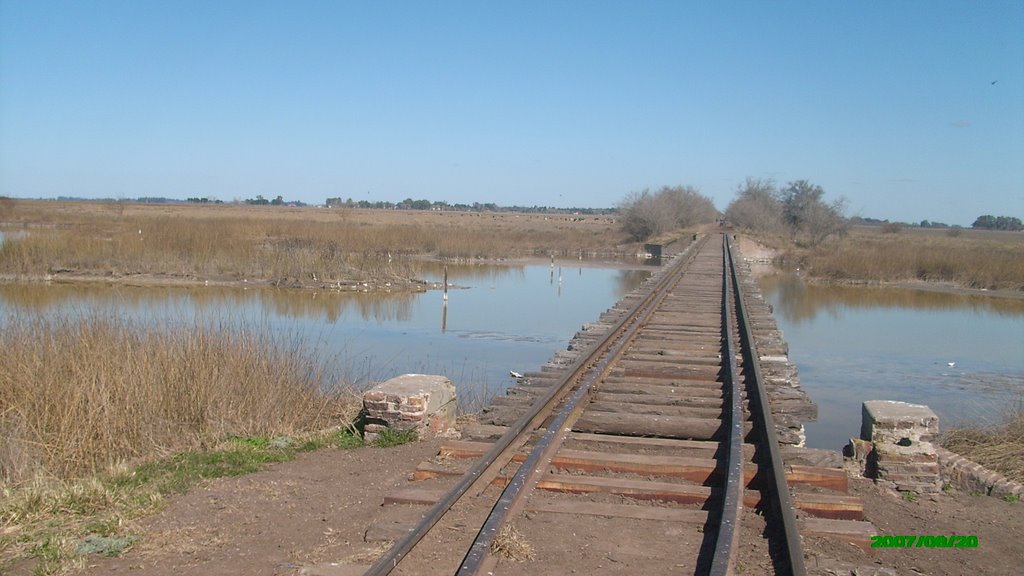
544, 406
568, 396
781, 503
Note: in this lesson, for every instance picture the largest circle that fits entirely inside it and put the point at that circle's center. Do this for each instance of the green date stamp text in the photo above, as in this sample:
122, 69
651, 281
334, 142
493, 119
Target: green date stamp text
940, 541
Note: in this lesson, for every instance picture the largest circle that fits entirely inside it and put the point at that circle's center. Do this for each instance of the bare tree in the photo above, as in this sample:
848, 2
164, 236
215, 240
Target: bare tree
645, 214
686, 206
808, 216
640, 215
757, 206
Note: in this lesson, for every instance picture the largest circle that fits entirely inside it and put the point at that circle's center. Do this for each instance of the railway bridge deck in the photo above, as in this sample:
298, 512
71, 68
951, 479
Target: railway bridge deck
665, 439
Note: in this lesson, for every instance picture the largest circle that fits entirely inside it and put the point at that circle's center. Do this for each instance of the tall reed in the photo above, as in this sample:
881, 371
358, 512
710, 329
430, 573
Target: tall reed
273, 243
80, 394
993, 261
999, 448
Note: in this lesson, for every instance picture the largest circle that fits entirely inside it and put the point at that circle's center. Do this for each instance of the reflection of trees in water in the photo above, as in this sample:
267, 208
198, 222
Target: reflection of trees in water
802, 302
459, 272
628, 280
331, 306
210, 301
39, 297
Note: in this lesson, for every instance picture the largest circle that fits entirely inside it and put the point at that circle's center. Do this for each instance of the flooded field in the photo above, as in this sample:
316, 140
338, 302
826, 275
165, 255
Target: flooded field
497, 319
961, 355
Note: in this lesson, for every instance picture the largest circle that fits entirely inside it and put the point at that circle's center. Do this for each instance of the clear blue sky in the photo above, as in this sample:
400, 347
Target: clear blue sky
890, 104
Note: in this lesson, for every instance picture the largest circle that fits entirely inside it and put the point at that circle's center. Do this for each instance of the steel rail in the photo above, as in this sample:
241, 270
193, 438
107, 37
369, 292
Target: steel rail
389, 561
732, 505
782, 502
526, 477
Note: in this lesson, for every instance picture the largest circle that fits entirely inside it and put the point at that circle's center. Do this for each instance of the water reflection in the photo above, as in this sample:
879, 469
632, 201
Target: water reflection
961, 355
504, 317
802, 302
207, 300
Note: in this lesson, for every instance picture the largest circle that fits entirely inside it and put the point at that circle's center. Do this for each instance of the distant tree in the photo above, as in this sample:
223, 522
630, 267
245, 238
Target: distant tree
989, 222
687, 206
806, 214
640, 216
277, 201
645, 214
757, 206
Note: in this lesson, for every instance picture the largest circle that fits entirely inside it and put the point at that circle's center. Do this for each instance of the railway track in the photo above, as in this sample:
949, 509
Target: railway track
655, 448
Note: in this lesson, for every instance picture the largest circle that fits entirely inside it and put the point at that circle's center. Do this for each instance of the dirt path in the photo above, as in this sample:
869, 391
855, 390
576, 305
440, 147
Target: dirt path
311, 510
316, 509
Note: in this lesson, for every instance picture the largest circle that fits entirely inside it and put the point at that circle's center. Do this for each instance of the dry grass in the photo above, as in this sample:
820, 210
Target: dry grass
82, 394
989, 260
101, 419
511, 545
999, 448
273, 243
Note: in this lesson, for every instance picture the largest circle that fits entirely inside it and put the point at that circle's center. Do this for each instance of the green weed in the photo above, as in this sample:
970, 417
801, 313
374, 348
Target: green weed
348, 438
390, 437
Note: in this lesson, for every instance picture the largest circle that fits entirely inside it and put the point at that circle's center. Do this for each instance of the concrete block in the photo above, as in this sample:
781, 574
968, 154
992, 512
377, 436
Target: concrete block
895, 445
421, 402
898, 423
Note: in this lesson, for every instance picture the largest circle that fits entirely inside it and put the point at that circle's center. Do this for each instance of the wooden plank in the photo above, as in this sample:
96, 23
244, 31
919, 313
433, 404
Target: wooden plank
801, 408
488, 431
423, 496
513, 401
661, 387
638, 512
837, 507
676, 399
639, 489
697, 470
707, 446
652, 372
501, 415
674, 359
856, 532
655, 409
464, 448
643, 425
831, 478
428, 470
674, 347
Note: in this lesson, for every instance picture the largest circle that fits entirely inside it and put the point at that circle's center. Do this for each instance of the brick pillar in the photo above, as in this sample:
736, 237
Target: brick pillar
420, 402
895, 445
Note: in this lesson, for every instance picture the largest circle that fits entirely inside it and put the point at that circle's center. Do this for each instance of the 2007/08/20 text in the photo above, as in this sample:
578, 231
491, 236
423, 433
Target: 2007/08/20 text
940, 541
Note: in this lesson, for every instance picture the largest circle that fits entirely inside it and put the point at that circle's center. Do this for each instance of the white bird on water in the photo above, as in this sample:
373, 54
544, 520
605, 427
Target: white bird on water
950, 364
515, 374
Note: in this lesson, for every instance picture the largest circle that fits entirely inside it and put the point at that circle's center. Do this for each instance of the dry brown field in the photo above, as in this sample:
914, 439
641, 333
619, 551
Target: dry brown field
307, 246
971, 259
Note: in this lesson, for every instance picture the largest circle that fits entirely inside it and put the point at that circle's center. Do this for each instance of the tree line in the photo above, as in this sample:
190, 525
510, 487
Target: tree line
798, 210
989, 222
